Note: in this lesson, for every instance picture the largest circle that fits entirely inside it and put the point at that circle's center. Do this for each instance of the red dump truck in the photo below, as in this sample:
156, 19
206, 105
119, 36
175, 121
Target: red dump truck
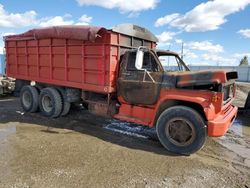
118, 73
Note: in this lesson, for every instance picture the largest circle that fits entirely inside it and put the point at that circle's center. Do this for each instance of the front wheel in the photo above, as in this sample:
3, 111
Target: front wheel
181, 130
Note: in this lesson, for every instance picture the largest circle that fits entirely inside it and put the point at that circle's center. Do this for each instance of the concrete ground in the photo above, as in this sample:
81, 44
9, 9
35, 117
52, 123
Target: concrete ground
82, 150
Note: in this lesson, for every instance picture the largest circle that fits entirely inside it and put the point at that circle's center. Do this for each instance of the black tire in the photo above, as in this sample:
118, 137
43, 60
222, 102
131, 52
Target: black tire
19, 84
50, 102
66, 108
181, 130
65, 103
29, 99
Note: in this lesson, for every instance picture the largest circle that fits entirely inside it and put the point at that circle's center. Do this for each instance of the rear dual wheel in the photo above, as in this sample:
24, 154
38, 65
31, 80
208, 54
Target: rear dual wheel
29, 99
66, 104
66, 108
50, 102
181, 130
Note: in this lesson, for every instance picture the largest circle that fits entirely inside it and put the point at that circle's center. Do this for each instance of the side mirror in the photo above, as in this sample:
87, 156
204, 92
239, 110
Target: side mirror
139, 59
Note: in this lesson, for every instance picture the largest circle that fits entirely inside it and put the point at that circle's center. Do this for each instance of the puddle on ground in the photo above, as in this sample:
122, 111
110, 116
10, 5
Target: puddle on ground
131, 129
6, 99
241, 127
238, 139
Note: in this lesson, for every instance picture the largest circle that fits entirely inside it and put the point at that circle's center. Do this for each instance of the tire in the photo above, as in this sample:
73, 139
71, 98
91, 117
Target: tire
50, 102
19, 84
29, 99
181, 130
66, 108
66, 105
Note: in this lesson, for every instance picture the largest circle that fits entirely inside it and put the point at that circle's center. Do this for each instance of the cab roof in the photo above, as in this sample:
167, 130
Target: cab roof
166, 52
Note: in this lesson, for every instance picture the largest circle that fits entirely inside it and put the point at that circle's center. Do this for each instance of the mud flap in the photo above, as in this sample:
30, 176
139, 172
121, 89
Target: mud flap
247, 104
1, 90
246, 109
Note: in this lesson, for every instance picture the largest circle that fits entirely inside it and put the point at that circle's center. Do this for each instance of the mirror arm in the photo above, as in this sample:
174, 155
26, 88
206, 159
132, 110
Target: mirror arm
144, 75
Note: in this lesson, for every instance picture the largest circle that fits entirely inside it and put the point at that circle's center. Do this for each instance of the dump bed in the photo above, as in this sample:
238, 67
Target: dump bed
83, 57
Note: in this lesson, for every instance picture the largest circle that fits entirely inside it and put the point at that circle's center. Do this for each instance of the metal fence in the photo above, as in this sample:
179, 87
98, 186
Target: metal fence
243, 71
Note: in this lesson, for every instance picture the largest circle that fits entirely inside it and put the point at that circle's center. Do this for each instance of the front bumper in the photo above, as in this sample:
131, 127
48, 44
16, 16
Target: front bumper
220, 125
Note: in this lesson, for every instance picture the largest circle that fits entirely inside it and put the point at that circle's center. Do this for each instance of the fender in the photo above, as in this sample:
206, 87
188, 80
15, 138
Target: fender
202, 99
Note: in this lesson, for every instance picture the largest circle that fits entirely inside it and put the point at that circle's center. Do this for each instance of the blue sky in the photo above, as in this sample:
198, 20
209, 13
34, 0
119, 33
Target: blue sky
213, 32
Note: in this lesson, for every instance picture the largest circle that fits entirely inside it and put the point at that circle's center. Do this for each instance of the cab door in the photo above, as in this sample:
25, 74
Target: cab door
140, 86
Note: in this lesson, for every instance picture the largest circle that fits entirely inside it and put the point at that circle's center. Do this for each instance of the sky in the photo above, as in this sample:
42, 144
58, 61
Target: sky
215, 32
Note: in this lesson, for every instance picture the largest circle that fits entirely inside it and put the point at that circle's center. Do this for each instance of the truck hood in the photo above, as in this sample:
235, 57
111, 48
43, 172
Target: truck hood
197, 78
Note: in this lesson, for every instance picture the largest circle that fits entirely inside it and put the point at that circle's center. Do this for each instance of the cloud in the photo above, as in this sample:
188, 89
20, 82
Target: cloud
6, 34
165, 38
84, 20
127, 6
1, 49
65, 20
219, 60
189, 54
15, 20
29, 18
245, 32
200, 53
178, 41
205, 46
206, 16
133, 15
193, 53
166, 19
53, 21
241, 55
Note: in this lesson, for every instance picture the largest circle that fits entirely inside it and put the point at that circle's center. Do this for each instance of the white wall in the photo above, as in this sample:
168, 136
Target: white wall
243, 71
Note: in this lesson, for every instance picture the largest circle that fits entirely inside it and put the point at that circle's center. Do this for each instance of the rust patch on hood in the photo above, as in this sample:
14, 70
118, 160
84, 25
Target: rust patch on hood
195, 78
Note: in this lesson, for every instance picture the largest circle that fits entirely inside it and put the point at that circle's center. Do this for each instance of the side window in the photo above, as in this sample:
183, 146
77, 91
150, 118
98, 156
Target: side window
146, 61
171, 63
131, 61
149, 62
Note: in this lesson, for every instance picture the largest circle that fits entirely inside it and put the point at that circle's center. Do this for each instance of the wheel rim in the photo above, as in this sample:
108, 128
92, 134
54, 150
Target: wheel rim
180, 131
27, 99
47, 103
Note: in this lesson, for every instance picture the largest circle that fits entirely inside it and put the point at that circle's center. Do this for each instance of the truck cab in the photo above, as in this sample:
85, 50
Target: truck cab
185, 106
144, 84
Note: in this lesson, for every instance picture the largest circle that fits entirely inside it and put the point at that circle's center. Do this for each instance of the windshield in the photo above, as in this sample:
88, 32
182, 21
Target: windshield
172, 63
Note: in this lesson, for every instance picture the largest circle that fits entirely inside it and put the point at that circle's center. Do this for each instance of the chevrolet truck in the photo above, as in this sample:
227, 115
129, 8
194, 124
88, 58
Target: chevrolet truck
120, 73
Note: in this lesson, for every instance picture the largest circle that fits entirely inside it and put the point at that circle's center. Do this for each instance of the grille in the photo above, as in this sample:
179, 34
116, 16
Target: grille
227, 109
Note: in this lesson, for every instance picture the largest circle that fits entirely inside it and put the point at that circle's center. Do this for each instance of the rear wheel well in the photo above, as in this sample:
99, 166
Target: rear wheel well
169, 103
